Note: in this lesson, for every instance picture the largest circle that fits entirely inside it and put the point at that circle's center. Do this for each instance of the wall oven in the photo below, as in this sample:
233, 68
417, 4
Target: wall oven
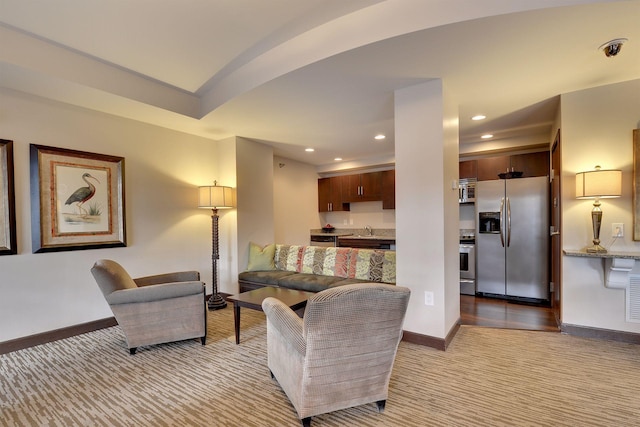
467, 268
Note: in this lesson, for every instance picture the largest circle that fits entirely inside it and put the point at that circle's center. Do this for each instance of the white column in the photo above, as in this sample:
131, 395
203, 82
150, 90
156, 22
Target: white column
426, 148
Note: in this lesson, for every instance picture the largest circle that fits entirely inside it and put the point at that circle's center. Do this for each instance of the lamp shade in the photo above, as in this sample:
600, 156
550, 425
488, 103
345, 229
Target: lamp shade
598, 184
216, 197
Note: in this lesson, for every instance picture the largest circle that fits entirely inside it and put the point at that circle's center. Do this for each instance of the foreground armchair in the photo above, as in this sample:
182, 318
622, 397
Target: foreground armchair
341, 354
154, 309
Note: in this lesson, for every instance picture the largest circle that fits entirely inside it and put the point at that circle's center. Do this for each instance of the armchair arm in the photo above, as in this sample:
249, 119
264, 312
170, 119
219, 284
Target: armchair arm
155, 292
286, 321
180, 276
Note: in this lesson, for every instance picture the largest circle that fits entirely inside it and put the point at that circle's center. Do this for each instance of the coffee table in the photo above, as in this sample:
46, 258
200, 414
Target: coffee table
253, 299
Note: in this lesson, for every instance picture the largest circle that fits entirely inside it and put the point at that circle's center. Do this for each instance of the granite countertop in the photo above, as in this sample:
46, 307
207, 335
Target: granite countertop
358, 233
585, 254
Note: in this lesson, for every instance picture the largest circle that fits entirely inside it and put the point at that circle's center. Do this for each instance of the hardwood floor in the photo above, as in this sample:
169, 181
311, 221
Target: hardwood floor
497, 313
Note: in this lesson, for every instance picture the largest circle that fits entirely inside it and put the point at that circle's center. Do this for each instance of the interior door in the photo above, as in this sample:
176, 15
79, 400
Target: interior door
556, 237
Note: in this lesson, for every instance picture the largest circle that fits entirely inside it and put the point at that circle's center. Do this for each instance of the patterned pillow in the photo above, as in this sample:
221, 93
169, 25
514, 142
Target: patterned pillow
326, 261
289, 257
373, 265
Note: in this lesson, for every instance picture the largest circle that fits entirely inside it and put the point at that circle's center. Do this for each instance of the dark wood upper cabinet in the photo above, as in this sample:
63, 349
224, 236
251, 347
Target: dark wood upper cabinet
468, 169
364, 187
330, 194
389, 189
335, 193
530, 164
490, 167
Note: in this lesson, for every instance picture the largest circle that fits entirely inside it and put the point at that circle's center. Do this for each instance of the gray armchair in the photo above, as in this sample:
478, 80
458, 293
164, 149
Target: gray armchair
341, 354
154, 309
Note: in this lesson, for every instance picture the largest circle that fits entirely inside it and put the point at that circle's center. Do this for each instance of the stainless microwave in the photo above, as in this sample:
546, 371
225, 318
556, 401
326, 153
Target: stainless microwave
467, 190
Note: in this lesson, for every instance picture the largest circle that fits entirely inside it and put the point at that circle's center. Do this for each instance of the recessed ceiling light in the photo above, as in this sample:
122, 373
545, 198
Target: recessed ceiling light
309, 150
479, 117
379, 136
337, 159
487, 136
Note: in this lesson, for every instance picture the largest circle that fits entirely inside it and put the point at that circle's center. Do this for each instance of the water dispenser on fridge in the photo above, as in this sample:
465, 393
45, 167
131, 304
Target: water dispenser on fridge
489, 222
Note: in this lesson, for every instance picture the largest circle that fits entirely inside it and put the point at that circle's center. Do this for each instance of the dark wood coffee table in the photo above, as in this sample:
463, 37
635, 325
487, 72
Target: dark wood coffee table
253, 299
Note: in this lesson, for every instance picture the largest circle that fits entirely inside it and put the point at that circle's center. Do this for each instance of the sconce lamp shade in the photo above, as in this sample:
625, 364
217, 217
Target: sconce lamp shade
598, 184
216, 197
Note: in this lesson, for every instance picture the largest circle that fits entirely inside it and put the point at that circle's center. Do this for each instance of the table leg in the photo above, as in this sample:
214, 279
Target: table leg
236, 320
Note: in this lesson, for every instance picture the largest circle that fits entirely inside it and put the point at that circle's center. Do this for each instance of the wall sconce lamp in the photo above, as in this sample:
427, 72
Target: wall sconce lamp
215, 197
598, 184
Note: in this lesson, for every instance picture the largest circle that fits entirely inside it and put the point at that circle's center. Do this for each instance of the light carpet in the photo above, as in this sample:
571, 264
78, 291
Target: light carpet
487, 377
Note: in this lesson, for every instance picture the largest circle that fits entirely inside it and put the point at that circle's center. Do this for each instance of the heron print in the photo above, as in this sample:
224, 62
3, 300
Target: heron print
82, 199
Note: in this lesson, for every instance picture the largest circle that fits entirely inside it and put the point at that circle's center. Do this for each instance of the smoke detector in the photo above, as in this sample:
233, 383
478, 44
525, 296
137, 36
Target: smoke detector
612, 47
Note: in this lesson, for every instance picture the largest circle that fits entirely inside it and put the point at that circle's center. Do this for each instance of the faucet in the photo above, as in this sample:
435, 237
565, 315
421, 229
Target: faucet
368, 231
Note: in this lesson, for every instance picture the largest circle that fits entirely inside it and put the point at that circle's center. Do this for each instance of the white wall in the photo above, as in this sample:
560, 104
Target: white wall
596, 129
165, 229
427, 207
361, 215
295, 201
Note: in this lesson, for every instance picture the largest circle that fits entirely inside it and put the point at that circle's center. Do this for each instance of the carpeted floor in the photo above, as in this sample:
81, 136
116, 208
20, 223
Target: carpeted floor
487, 377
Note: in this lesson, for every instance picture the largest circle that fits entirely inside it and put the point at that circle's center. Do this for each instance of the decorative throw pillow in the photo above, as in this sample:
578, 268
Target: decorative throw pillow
261, 259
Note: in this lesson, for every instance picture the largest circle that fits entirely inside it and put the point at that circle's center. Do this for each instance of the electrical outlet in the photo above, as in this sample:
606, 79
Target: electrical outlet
617, 230
428, 298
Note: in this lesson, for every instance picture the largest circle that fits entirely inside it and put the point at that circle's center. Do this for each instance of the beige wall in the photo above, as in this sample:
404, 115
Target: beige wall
596, 129
295, 201
165, 229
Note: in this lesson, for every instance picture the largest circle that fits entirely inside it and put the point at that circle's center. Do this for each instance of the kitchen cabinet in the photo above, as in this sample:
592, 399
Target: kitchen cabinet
330, 194
468, 169
364, 187
530, 164
389, 189
366, 243
490, 167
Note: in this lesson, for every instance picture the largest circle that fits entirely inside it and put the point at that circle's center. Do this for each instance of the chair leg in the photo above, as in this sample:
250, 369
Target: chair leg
132, 350
203, 340
381, 404
306, 422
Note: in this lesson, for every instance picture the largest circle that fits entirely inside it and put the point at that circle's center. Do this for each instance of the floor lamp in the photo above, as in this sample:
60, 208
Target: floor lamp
215, 197
598, 184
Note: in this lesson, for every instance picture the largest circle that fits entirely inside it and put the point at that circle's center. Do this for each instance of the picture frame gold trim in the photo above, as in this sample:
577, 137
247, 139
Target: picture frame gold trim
636, 184
77, 200
8, 245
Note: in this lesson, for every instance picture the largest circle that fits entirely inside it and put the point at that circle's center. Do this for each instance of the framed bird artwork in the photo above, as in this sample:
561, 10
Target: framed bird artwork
77, 200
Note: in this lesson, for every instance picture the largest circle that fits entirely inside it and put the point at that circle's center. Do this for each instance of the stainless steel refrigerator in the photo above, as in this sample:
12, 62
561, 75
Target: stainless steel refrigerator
512, 238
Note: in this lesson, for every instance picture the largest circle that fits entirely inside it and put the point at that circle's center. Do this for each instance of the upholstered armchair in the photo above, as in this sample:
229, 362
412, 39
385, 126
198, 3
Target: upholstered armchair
154, 309
341, 353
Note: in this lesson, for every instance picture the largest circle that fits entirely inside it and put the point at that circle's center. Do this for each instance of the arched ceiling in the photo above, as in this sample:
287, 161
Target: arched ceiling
316, 73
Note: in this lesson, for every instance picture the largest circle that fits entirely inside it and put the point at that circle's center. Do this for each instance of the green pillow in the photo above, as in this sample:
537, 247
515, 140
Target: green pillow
261, 259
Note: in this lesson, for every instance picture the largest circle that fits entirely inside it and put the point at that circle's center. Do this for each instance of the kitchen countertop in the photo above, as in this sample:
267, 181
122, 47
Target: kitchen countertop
358, 233
374, 237
336, 233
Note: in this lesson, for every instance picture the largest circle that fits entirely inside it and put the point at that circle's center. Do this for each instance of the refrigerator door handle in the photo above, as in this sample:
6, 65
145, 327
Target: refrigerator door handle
502, 230
508, 222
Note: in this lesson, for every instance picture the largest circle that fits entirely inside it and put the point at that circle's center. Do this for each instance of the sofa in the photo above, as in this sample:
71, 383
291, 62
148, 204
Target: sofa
315, 268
